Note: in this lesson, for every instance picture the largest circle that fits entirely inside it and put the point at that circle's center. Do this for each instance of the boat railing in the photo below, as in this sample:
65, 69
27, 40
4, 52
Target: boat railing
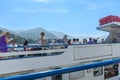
46, 47
48, 73
36, 51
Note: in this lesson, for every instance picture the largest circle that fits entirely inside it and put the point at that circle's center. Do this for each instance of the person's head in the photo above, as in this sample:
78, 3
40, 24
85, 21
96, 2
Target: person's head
65, 36
13, 41
84, 40
42, 34
6, 33
74, 39
90, 39
77, 39
25, 42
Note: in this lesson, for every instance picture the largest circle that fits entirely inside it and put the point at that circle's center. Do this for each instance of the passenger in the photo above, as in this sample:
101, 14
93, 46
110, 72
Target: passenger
90, 41
65, 40
42, 40
95, 40
69, 41
77, 41
25, 44
12, 45
84, 41
74, 41
4, 40
102, 40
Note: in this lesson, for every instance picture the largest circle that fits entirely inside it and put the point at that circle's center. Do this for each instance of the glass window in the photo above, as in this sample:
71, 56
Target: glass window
97, 71
111, 71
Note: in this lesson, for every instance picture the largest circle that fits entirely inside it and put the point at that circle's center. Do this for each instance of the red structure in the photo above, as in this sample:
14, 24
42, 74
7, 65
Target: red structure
109, 19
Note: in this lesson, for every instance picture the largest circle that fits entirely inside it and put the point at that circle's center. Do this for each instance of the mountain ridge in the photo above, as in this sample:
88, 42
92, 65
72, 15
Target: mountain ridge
35, 33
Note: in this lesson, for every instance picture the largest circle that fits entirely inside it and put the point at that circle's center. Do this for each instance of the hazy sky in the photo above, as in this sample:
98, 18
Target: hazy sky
73, 17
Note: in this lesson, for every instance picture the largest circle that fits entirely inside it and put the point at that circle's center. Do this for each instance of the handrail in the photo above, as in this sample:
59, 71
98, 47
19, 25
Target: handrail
37, 75
36, 45
40, 46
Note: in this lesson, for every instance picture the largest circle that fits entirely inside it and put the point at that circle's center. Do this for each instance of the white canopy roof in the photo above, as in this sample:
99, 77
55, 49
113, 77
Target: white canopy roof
110, 27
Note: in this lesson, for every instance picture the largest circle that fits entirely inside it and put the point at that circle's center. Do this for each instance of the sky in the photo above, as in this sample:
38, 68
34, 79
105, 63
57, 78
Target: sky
73, 17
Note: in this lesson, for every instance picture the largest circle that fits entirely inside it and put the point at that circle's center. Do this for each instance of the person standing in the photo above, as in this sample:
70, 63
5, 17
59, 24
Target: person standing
42, 40
25, 44
90, 41
65, 40
84, 41
4, 40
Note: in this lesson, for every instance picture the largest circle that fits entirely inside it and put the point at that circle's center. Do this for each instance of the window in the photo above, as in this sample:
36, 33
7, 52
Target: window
111, 71
97, 71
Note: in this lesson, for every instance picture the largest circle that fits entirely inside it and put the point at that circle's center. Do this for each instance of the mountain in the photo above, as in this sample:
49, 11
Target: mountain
18, 31
18, 39
35, 34
60, 35
3, 29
